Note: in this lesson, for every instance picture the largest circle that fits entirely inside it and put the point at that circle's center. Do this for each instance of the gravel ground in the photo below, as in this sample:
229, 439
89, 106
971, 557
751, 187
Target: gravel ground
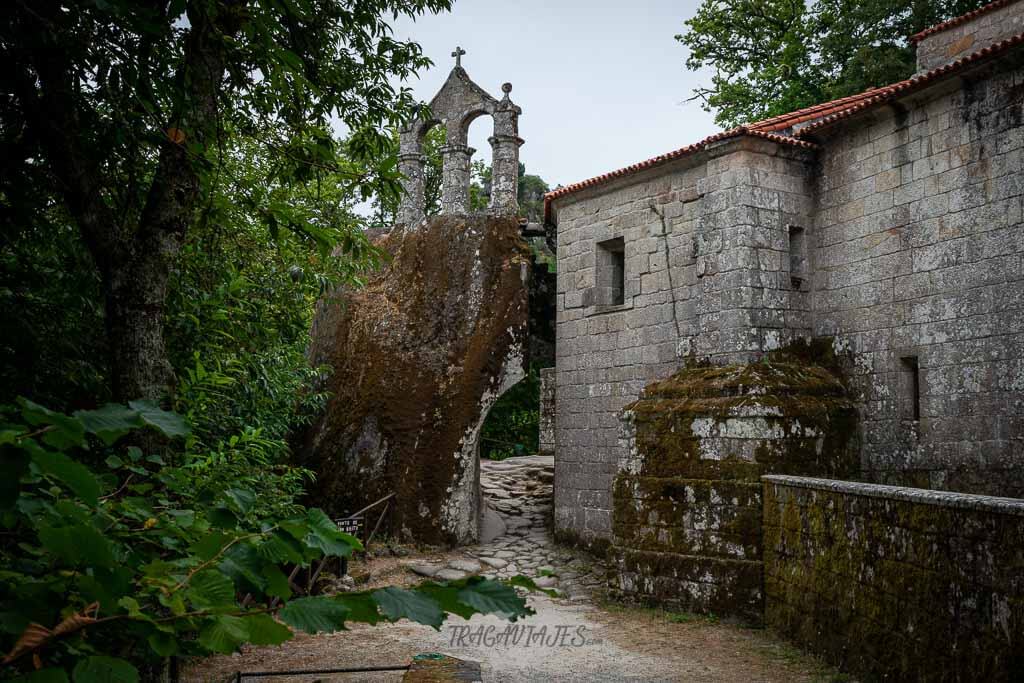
576, 637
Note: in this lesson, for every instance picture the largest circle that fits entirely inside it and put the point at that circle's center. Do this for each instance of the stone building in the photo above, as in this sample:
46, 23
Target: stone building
884, 227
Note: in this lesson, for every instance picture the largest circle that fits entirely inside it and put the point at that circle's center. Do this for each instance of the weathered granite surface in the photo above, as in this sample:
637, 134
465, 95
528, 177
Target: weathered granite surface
897, 583
419, 355
952, 43
456, 105
899, 237
686, 521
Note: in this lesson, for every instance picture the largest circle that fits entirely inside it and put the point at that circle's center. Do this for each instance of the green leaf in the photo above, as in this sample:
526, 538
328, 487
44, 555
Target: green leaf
324, 534
207, 547
77, 545
527, 583
77, 476
314, 614
447, 598
164, 644
277, 582
398, 603
210, 588
242, 498
51, 675
362, 608
493, 597
224, 634
243, 564
281, 547
169, 424
66, 432
110, 422
265, 630
105, 670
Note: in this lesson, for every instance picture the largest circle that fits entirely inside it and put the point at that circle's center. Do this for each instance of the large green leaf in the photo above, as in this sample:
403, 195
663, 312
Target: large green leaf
281, 547
314, 614
76, 475
492, 597
324, 534
164, 644
211, 588
110, 422
64, 431
243, 564
265, 630
169, 424
224, 634
447, 598
277, 582
105, 670
361, 607
77, 545
398, 603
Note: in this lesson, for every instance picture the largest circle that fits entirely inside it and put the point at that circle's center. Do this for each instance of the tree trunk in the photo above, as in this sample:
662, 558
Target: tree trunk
136, 294
134, 260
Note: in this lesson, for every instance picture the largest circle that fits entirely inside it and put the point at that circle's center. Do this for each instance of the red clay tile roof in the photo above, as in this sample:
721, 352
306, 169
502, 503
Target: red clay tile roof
676, 154
891, 92
956, 21
821, 114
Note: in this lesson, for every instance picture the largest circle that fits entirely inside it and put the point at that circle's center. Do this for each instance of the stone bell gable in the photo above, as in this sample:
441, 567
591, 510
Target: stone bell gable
456, 105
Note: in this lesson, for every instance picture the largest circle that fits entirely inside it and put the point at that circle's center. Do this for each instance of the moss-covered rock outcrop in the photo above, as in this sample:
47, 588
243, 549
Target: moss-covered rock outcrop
418, 355
687, 499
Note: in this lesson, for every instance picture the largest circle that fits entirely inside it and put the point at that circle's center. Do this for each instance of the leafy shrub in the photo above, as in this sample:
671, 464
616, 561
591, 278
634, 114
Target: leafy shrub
115, 559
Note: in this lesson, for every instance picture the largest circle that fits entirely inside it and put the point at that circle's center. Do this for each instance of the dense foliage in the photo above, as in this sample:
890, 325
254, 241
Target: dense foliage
770, 57
512, 426
172, 205
125, 558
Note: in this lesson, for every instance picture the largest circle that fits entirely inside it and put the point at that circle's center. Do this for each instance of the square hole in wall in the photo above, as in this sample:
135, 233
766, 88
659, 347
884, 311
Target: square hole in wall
611, 272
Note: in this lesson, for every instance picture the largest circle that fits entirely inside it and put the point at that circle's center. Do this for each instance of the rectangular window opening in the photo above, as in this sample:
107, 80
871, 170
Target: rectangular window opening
611, 272
797, 256
910, 389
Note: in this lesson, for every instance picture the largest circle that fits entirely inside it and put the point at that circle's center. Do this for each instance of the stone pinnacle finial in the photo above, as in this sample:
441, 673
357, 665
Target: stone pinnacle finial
458, 56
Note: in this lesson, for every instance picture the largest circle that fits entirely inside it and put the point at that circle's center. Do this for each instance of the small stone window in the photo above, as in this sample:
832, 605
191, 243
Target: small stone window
797, 257
611, 273
910, 389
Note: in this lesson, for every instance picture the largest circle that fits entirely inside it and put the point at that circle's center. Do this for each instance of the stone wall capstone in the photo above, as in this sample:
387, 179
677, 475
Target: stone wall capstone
896, 583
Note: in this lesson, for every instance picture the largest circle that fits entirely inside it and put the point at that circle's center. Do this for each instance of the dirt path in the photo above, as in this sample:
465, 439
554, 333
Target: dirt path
576, 637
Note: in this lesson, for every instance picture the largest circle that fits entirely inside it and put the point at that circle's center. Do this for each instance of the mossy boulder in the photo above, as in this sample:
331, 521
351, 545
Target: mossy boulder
418, 356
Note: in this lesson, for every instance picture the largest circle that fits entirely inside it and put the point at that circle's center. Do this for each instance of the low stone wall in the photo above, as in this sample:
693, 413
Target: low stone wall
896, 583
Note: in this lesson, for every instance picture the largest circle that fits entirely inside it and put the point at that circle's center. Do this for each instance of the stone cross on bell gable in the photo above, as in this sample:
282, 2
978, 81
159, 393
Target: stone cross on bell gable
458, 55
455, 106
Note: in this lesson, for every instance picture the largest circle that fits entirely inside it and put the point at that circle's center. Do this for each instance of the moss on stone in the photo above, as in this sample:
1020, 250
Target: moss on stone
703, 438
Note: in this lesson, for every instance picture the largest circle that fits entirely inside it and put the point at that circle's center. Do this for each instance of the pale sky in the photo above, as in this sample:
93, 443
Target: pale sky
601, 84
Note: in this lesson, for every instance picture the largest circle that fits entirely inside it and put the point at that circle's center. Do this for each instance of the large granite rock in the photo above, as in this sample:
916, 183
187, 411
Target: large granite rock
419, 355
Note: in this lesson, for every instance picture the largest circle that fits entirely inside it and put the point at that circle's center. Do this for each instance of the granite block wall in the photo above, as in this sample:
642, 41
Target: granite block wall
955, 42
895, 583
918, 261
606, 353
